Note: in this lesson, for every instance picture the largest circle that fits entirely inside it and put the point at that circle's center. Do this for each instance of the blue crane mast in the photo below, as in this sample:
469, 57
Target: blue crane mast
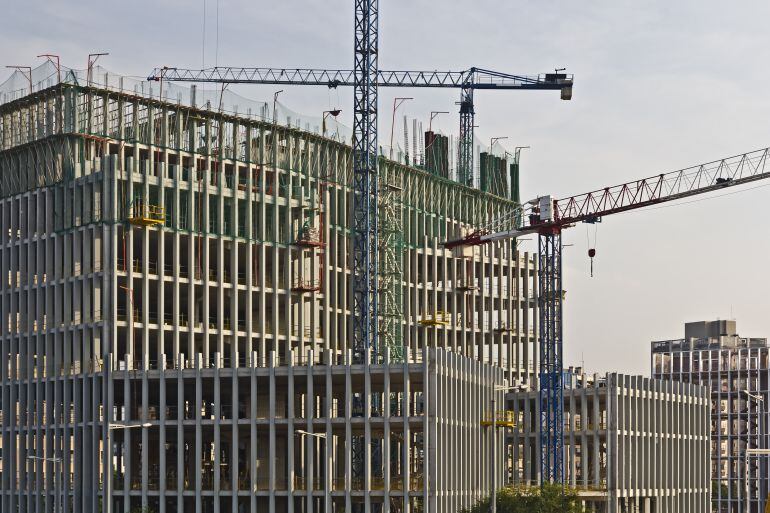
365, 204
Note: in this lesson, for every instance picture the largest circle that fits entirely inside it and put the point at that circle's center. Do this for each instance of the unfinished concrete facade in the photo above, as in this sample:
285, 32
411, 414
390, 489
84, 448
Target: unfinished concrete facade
182, 268
736, 371
627, 443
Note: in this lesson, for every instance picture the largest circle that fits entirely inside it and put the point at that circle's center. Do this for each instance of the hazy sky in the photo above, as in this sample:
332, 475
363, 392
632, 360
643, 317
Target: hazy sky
658, 86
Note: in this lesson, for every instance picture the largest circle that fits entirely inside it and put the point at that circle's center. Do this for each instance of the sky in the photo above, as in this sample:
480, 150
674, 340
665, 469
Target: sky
659, 86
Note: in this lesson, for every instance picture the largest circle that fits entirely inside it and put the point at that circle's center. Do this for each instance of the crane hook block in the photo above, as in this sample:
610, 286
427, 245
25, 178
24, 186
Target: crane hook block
591, 252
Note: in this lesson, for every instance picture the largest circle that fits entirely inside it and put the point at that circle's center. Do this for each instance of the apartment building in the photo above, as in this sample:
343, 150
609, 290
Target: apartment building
736, 372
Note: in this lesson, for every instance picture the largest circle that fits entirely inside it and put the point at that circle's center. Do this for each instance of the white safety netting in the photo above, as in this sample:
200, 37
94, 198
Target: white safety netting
210, 98
408, 135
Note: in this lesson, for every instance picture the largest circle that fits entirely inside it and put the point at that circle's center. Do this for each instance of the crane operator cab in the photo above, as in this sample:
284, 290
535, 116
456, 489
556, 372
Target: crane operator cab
542, 210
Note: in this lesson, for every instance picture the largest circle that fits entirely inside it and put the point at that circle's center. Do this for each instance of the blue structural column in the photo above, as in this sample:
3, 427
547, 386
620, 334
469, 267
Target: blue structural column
551, 365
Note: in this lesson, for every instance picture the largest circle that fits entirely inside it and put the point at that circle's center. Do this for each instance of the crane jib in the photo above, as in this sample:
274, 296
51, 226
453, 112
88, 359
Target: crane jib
591, 206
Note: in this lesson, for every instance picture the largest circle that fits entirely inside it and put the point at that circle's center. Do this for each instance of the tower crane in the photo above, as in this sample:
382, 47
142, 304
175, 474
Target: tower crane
548, 217
366, 219
467, 81
370, 196
374, 302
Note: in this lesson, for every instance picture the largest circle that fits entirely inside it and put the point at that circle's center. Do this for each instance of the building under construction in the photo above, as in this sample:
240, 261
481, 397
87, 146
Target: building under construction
176, 318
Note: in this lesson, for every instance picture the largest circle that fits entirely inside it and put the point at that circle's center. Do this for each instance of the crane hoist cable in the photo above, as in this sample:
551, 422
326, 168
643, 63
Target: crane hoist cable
591, 247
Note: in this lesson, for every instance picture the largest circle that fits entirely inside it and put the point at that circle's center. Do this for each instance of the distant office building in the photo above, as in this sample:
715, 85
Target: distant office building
631, 444
735, 369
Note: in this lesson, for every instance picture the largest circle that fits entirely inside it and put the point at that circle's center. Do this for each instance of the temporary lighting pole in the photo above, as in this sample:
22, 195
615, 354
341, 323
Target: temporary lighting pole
28, 69
396, 104
433, 114
275, 101
55, 461
516, 155
320, 436
493, 140
92, 58
50, 57
221, 94
108, 449
334, 113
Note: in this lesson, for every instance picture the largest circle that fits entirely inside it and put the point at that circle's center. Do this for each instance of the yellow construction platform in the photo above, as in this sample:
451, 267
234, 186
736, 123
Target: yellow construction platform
147, 215
504, 418
439, 318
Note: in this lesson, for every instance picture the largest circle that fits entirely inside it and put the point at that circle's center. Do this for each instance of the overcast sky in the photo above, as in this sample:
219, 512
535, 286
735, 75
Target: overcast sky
658, 86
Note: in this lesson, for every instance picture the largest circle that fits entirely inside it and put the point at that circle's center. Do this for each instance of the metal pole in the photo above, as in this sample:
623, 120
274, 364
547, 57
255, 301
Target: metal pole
92, 58
328, 469
746, 481
494, 456
56, 491
55, 488
58, 65
108, 448
108, 477
107, 418
493, 140
320, 436
275, 100
763, 434
396, 104
433, 114
28, 76
760, 450
326, 113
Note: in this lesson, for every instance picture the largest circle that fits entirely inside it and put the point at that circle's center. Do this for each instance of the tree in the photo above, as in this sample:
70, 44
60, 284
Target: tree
718, 488
550, 498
